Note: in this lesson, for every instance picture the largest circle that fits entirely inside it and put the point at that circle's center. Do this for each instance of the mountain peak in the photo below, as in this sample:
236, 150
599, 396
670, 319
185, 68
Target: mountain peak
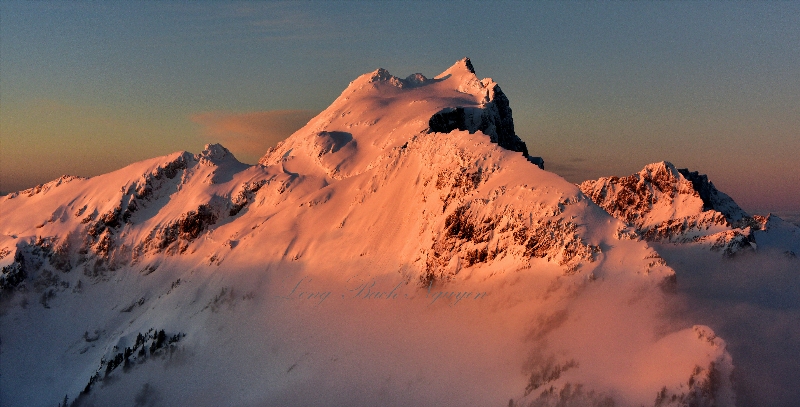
379, 111
216, 154
463, 64
665, 203
399, 202
661, 166
468, 64
462, 70
382, 75
632, 197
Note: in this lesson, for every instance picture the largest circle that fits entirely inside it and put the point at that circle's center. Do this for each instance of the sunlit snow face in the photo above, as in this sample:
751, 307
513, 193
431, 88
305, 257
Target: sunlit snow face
365, 252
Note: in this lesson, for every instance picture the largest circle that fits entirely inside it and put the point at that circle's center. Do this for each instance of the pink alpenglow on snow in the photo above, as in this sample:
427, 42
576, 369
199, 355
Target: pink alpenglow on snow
404, 247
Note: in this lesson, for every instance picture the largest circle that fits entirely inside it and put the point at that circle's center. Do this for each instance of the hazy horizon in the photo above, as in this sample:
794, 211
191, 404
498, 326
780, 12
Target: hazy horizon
596, 89
398, 249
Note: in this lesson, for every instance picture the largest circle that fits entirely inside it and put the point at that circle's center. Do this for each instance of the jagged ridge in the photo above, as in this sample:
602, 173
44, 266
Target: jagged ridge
675, 205
365, 193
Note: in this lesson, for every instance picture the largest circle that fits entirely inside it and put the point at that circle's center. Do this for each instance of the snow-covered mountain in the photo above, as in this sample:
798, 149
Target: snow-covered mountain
736, 272
666, 204
400, 249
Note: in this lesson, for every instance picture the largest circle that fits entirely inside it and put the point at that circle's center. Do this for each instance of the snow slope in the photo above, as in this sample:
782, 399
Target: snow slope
402, 248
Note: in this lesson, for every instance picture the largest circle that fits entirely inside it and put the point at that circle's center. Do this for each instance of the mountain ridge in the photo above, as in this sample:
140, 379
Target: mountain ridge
667, 204
365, 224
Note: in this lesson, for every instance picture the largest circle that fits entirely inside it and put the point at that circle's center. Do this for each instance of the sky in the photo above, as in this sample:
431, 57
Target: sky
597, 89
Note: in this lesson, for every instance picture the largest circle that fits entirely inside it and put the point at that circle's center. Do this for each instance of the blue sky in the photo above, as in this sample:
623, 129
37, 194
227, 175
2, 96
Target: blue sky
597, 88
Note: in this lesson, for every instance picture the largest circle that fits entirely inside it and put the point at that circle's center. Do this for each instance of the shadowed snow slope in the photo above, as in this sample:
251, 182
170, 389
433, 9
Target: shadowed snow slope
400, 249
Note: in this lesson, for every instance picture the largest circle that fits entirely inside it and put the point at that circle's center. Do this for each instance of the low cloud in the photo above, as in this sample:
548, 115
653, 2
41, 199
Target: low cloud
752, 302
249, 135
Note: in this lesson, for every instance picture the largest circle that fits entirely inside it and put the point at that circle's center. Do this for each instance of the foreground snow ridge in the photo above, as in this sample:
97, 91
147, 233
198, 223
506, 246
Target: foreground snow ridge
402, 248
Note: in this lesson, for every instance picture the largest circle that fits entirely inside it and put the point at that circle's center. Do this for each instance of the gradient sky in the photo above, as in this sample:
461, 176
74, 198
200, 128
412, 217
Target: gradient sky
597, 89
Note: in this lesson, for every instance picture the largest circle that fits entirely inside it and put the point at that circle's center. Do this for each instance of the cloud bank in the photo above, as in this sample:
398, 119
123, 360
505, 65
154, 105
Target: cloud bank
752, 301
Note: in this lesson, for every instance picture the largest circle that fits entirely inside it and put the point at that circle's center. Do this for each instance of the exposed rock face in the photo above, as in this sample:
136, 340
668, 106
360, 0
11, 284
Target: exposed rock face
185, 230
666, 204
415, 182
493, 120
492, 116
44, 187
470, 238
712, 198
13, 272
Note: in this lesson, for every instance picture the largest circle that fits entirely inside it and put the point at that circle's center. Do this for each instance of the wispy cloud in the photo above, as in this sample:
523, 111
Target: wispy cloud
249, 135
573, 170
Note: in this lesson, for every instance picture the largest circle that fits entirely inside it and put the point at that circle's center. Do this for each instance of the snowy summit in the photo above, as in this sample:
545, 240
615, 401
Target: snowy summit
403, 241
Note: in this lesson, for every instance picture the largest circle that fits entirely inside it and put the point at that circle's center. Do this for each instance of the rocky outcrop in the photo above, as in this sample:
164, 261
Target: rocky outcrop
493, 119
13, 272
469, 238
666, 204
712, 198
43, 188
174, 238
